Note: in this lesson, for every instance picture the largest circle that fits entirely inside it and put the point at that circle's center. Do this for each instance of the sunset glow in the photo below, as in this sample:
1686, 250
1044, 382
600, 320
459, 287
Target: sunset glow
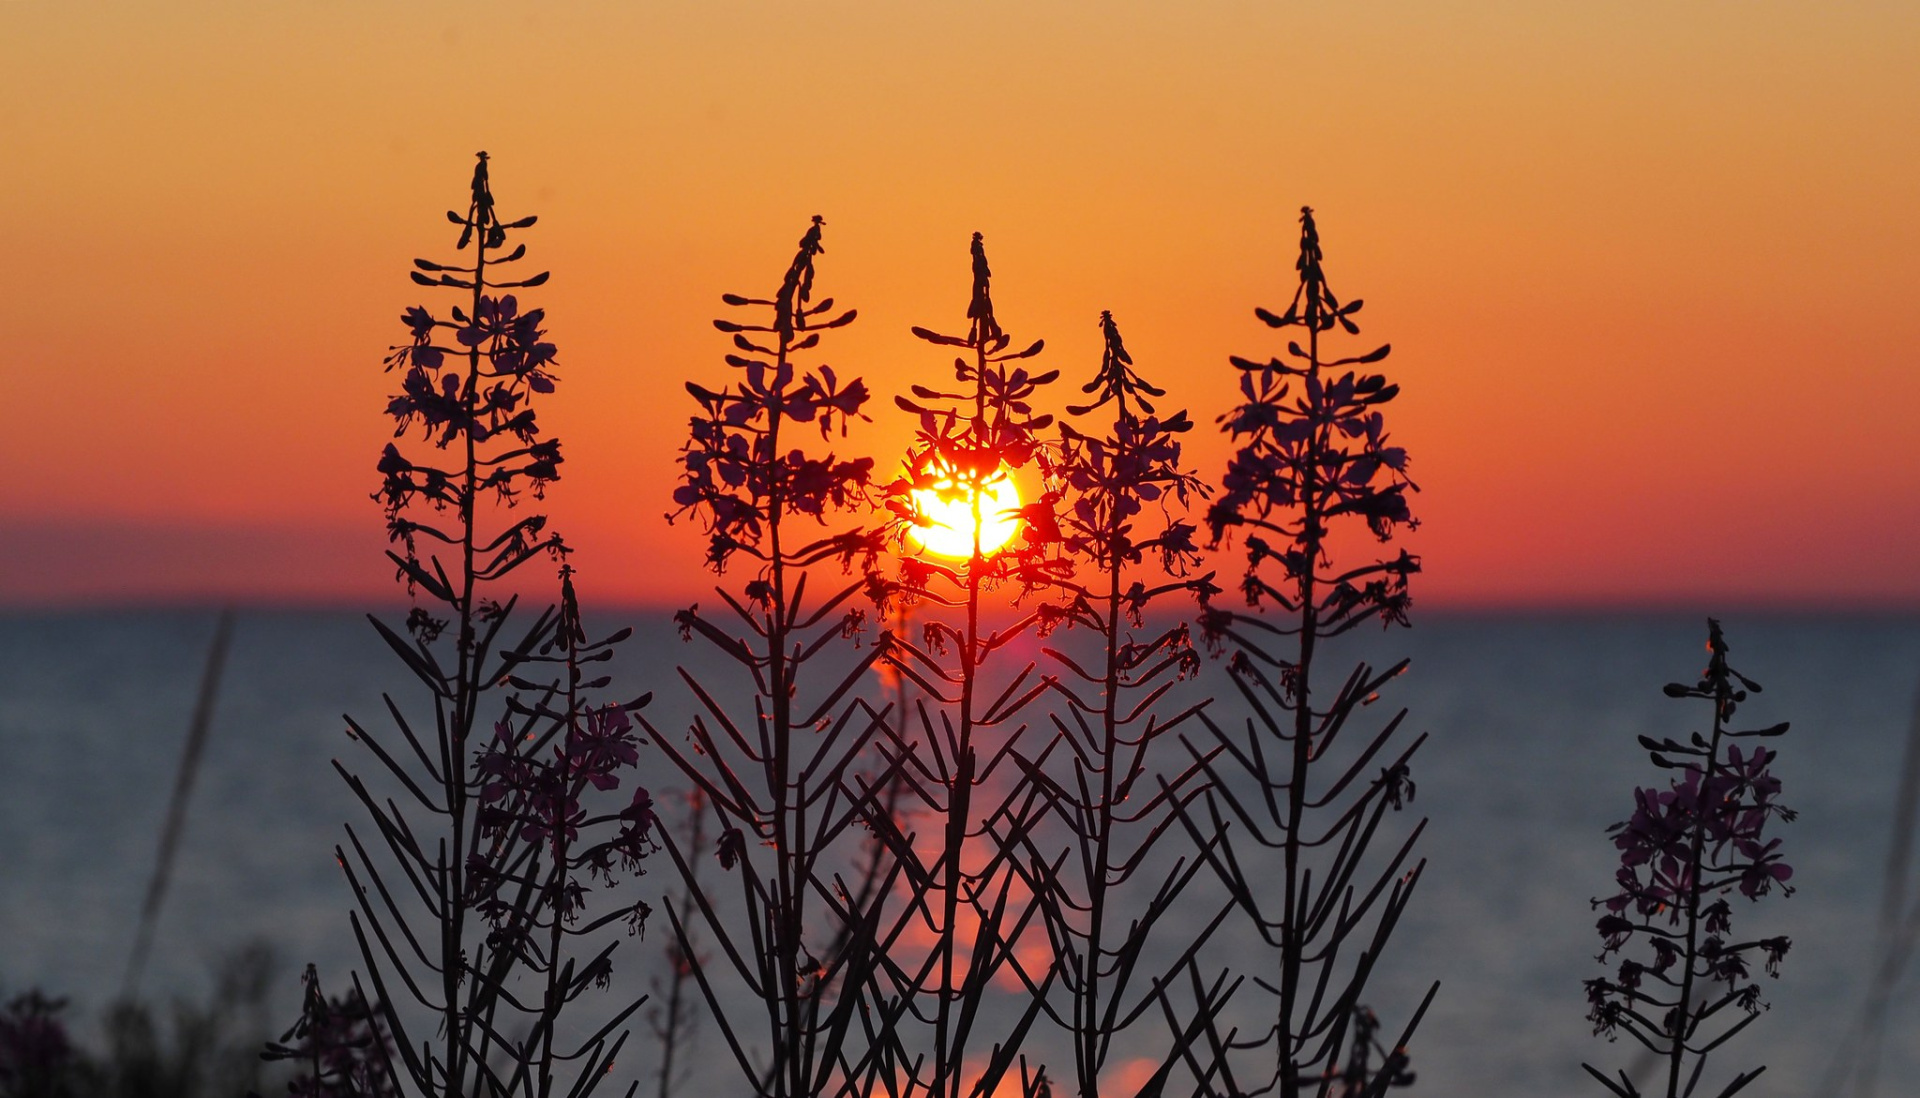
948, 509
1506, 185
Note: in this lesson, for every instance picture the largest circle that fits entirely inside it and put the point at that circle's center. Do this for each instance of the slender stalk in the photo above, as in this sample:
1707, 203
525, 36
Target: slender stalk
465, 701
1680, 1026
1683, 851
771, 774
183, 781
556, 879
493, 868
1313, 449
1293, 946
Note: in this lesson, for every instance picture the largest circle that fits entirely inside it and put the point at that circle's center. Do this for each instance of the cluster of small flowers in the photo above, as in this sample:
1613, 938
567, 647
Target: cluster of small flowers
1727, 809
733, 473
1113, 477
535, 798
737, 470
479, 390
541, 796
519, 362
340, 1041
985, 431
1320, 454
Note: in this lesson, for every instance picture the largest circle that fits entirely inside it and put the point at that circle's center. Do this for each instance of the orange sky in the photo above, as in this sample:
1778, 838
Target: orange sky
1649, 269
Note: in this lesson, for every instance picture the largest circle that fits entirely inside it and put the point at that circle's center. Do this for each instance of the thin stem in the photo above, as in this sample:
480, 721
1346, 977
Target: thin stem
466, 702
557, 875
1293, 945
947, 1058
1679, 1028
789, 821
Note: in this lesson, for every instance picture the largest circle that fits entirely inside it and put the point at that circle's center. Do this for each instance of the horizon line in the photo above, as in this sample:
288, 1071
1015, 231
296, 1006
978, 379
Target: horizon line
1595, 606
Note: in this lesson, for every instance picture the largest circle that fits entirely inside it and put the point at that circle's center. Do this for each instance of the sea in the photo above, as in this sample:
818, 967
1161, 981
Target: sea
1532, 721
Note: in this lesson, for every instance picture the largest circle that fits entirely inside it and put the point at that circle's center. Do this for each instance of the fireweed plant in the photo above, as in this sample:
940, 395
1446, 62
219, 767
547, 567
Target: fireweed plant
339, 1045
1683, 853
1109, 806
478, 912
772, 754
962, 898
1313, 455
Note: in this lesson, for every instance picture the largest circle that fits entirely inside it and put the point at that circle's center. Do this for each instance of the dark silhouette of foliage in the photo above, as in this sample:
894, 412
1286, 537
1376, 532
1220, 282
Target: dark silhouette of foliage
211, 1047
1685, 850
1359, 1077
188, 1049
775, 767
967, 439
473, 911
1313, 453
340, 1045
37, 1057
962, 898
1102, 806
735, 476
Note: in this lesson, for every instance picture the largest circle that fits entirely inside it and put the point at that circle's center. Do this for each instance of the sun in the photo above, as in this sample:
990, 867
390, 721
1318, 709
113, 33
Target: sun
948, 509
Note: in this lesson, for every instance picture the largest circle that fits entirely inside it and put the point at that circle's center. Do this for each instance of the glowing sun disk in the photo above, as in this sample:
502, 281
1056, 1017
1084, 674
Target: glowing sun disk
948, 509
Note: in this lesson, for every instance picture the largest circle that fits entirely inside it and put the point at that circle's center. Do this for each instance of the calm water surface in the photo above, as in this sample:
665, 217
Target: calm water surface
1532, 754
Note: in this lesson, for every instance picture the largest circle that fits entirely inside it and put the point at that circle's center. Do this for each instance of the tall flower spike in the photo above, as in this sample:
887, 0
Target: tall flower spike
1116, 377
498, 830
1313, 455
1094, 811
964, 892
1684, 851
738, 479
774, 755
969, 439
797, 288
980, 310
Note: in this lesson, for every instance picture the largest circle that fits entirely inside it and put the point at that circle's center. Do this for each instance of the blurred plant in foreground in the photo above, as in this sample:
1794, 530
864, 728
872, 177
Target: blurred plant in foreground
37, 1057
204, 1049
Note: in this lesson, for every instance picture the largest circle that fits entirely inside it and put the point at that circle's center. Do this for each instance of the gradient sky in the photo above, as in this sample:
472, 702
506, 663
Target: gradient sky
1649, 269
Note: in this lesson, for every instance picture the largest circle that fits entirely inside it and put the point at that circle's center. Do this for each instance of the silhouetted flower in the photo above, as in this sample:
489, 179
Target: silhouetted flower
971, 437
514, 809
732, 847
1311, 458
735, 467
339, 1044
1682, 851
1314, 445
